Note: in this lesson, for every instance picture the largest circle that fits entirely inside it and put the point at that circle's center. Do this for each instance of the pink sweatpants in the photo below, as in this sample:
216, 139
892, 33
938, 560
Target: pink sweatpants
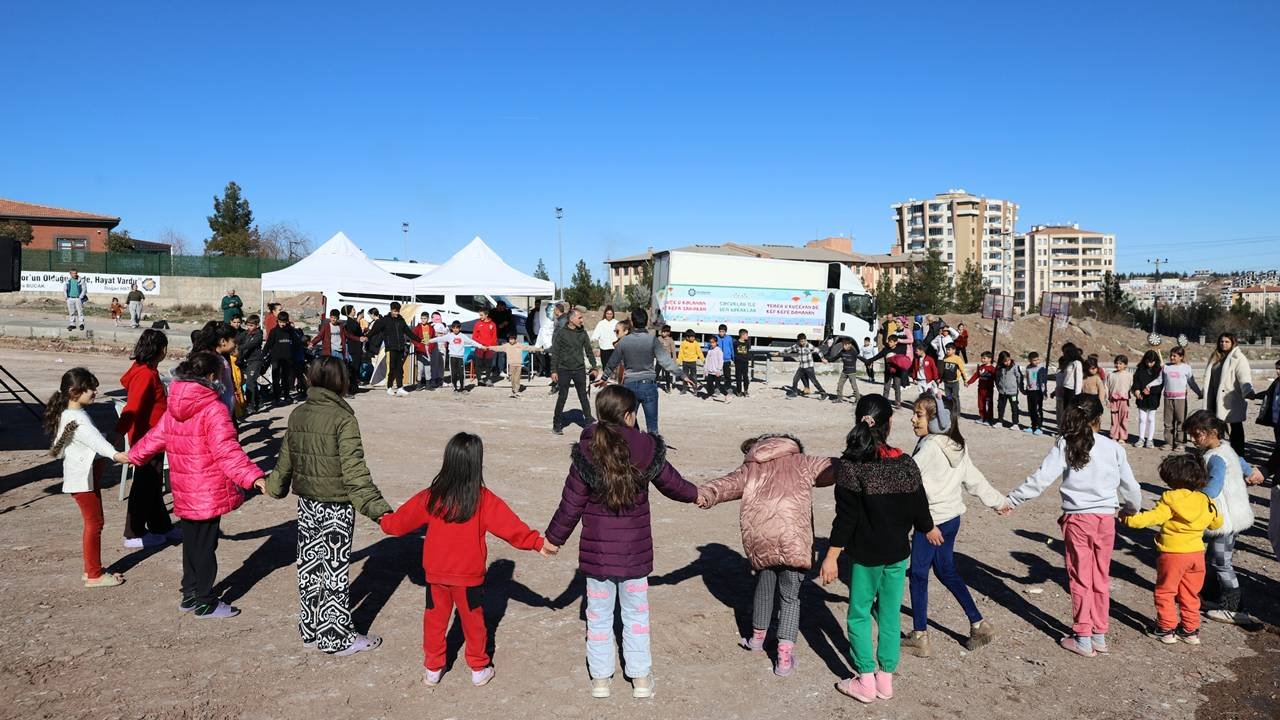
1089, 540
1120, 419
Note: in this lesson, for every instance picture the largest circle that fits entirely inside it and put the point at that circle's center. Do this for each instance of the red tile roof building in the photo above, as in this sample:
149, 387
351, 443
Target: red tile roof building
55, 228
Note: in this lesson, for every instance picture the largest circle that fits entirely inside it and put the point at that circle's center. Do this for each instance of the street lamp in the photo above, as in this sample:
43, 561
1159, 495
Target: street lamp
560, 243
404, 228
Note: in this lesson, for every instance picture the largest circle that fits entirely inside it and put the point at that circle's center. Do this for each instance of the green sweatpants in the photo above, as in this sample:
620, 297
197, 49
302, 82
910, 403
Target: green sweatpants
881, 586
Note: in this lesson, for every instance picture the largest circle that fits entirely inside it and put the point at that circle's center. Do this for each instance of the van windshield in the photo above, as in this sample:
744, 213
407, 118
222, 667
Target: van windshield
474, 303
860, 306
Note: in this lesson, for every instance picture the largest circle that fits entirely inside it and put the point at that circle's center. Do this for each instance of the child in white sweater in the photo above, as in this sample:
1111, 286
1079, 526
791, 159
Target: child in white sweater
78, 444
1092, 468
947, 473
456, 345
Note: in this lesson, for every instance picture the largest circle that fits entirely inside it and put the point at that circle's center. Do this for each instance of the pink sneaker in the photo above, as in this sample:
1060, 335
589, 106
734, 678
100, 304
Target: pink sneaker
884, 685
861, 688
755, 643
786, 661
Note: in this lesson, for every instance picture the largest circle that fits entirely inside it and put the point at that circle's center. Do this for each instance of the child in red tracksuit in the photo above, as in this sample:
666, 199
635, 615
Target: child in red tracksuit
986, 377
458, 511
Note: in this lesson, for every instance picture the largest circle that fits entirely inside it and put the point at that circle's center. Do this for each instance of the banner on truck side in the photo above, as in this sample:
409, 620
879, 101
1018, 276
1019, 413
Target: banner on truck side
742, 306
109, 284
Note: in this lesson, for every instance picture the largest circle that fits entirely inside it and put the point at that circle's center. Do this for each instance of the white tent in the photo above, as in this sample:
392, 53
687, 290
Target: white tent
337, 265
477, 270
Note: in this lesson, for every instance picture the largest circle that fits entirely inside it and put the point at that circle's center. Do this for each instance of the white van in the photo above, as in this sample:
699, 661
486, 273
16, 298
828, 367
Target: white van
463, 308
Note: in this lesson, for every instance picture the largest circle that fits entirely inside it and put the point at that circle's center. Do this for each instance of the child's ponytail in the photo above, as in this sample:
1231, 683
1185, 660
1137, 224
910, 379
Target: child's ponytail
1077, 429
609, 448
74, 383
870, 429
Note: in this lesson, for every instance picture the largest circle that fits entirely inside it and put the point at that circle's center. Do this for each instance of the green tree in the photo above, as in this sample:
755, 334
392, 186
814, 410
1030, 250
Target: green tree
641, 294
540, 272
927, 287
886, 295
119, 241
232, 225
970, 288
584, 290
1116, 305
15, 230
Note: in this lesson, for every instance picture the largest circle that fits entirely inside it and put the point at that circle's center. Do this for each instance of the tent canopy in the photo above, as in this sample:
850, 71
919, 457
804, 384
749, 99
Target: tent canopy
337, 265
477, 270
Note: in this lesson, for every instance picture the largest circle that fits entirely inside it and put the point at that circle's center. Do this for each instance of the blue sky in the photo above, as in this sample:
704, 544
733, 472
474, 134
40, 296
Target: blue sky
657, 124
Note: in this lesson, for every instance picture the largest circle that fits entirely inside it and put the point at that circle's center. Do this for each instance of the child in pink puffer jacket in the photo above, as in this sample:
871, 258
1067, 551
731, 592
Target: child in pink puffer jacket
775, 483
208, 472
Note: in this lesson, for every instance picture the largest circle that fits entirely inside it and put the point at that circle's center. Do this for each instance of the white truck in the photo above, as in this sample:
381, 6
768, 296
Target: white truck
774, 300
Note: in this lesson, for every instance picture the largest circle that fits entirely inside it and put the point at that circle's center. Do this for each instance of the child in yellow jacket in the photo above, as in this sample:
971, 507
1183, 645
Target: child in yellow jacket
690, 354
1183, 514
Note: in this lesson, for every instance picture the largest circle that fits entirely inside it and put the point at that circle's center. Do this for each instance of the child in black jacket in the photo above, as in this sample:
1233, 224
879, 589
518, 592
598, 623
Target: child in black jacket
880, 499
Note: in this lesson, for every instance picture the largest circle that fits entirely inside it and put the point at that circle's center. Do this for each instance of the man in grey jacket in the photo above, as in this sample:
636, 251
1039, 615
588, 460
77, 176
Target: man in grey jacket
570, 353
637, 353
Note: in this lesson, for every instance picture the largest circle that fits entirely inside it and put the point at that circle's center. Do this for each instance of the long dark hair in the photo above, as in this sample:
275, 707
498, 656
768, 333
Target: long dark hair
74, 382
1077, 429
1203, 421
150, 348
1070, 353
870, 429
208, 337
455, 490
199, 366
610, 451
929, 403
1151, 356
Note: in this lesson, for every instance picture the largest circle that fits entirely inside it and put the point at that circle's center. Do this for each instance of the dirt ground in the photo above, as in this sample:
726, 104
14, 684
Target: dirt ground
128, 653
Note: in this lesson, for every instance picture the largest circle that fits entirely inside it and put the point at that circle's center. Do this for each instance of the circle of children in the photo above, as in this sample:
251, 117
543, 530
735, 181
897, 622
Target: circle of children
897, 515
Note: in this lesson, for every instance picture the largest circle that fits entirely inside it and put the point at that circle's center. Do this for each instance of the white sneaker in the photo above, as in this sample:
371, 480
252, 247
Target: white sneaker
600, 687
1231, 617
401, 392
391, 391
133, 543
432, 677
642, 687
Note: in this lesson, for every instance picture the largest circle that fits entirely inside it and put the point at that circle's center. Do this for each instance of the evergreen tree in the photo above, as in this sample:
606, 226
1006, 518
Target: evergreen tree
970, 288
584, 290
1116, 303
540, 272
927, 287
641, 294
232, 225
886, 295
119, 241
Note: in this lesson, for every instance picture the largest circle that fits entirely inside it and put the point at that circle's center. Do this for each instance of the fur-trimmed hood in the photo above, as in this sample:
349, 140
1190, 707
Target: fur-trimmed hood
648, 455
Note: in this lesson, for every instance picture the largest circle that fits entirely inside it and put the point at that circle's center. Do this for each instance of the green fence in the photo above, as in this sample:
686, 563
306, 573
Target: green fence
149, 263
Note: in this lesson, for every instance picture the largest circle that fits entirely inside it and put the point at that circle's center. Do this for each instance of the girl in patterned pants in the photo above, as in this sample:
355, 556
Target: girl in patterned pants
322, 461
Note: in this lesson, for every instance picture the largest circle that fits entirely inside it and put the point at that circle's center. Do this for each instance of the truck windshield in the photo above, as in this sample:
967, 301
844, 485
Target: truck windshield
862, 306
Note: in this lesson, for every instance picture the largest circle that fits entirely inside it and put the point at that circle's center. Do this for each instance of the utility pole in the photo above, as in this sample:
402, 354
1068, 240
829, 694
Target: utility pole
404, 228
1155, 293
560, 243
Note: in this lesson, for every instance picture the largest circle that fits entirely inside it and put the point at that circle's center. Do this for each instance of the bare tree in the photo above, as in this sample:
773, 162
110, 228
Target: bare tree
283, 240
176, 241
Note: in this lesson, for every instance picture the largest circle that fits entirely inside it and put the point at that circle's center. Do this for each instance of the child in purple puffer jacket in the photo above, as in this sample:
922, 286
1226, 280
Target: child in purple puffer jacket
608, 490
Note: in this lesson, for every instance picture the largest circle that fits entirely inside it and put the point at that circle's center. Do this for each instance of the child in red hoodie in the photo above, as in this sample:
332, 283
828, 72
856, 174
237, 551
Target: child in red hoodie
986, 377
146, 521
458, 510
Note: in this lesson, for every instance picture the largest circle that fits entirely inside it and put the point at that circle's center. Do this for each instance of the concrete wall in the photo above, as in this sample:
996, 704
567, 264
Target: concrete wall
177, 290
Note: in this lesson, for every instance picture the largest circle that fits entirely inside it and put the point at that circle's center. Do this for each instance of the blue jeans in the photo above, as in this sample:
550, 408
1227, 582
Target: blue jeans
633, 598
647, 393
941, 559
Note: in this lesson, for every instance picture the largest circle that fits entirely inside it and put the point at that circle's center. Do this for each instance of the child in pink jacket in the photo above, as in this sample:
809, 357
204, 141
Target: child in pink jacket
775, 483
208, 472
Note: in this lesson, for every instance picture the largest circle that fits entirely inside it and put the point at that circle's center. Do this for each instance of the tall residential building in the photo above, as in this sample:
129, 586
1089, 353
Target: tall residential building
1060, 259
1166, 291
962, 227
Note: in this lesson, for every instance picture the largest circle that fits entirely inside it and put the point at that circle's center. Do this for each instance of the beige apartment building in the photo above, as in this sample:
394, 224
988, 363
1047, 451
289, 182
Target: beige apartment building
1259, 297
962, 227
1060, 259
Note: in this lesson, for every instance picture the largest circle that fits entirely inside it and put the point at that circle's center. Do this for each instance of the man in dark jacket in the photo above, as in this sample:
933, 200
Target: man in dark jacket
249, 357
279, 350
570, 353
393, 332
355, 348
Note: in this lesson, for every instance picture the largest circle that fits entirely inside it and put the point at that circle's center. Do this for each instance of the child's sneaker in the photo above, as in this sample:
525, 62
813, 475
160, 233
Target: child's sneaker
430, 677
1099, 643
187, 604
1168, 637
482, 677
1030, 431
360, 643
861, 688
642, 687
755, 643
1082, 646
216, 611
884, 685
917, 643
786, 661
1190, 638
600, 687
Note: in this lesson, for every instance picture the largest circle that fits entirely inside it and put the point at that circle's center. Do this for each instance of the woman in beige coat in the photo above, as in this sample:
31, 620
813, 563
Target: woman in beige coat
775, 483
1228, 380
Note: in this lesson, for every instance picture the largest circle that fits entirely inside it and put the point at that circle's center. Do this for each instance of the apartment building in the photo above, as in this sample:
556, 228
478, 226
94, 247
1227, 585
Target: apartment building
1060, 259
1166, 291
1259, 297
962, 227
